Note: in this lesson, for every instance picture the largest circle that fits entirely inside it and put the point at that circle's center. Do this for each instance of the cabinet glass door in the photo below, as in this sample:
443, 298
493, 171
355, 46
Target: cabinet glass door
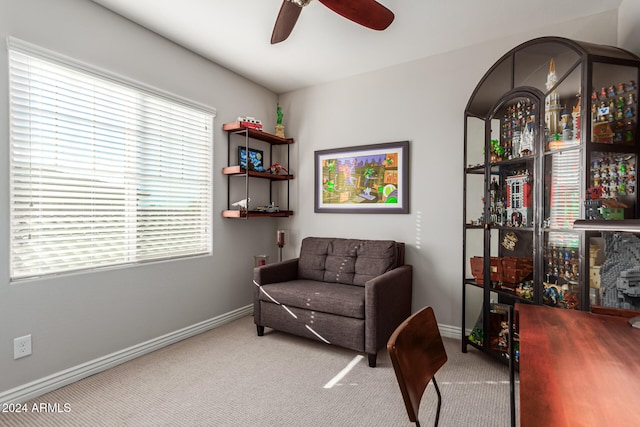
614, 105
510, 203
561, 281
561, 278
614, 270
612, 186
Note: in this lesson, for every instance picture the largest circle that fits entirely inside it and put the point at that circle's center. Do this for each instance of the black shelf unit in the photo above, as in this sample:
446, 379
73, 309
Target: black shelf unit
551, 136
237, 171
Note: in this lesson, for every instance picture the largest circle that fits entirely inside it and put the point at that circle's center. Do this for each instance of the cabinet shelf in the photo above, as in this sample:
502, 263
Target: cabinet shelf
477, 169
514, 161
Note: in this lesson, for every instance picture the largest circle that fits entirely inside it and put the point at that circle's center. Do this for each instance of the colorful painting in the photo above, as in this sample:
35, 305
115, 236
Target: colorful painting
255, 159
364, 179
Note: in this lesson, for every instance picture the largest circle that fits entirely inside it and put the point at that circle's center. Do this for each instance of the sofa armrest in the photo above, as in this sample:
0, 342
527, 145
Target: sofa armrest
271, 273
277, 272
387, 304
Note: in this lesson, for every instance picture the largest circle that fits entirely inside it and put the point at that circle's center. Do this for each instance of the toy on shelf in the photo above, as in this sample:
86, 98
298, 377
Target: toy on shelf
242, 204
279, 125
277, 168
249, 122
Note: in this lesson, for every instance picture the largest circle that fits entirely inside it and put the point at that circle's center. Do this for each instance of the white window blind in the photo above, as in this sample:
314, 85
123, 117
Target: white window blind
103, 172
564, 189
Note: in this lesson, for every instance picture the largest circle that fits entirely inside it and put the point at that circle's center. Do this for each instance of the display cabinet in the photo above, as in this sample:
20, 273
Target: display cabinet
253, 165
550, 137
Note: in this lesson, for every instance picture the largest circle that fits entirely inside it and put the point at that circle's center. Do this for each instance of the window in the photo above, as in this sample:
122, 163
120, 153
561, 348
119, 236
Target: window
103, 172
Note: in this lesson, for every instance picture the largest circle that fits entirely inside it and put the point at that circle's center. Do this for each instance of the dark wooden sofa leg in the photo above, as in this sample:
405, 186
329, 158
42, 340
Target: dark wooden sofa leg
260, 330
372, 360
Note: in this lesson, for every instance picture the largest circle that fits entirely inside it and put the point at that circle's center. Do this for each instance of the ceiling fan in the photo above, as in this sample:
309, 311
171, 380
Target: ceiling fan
368, 13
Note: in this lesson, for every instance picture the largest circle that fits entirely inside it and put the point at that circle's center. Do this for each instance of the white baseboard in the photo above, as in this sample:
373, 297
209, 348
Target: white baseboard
44, 385
449, 331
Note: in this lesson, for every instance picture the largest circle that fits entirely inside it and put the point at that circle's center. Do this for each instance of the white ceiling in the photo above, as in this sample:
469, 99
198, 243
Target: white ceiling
324, 46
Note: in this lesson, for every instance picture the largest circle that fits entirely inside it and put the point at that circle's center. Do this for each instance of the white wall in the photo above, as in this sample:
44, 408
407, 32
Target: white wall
424, 102
629, 26
77, 318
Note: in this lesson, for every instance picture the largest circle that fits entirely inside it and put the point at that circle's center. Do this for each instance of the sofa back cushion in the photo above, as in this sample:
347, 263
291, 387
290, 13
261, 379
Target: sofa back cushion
348, 261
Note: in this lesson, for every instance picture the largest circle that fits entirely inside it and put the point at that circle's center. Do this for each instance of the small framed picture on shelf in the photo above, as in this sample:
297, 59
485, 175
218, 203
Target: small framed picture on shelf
256, 158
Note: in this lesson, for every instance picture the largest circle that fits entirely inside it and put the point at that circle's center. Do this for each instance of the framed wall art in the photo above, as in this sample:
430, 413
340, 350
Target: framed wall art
363, 179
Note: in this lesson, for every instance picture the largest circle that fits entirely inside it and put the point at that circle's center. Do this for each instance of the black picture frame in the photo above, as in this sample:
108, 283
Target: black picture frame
363, 179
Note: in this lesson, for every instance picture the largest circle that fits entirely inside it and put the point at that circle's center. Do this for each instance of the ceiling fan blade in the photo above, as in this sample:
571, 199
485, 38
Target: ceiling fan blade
285, 22
368, 13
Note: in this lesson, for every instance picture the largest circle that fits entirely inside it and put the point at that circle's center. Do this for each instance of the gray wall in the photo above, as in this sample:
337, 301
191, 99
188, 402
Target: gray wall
629, 26
77, 318
424, 102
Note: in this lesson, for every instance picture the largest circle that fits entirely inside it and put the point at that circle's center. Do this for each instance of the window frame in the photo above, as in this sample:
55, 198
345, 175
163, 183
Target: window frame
204, 173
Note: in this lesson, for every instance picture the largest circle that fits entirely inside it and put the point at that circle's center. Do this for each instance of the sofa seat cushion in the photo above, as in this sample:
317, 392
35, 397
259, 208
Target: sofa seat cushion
334, 298
329, 328
348, 261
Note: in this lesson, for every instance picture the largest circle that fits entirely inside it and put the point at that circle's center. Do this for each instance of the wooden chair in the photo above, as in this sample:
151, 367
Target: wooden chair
417, 353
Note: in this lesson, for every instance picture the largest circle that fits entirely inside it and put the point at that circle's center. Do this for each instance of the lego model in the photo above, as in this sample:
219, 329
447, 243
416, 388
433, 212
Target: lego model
519, 201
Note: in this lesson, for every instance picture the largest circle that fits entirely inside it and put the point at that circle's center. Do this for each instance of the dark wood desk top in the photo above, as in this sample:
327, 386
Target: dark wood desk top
577, 368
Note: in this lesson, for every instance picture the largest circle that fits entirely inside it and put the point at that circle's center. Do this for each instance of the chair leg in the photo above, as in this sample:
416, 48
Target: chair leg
260, 330
435, 384
372, 360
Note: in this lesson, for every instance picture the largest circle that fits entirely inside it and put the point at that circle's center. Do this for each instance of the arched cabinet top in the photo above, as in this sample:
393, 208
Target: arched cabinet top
528, 64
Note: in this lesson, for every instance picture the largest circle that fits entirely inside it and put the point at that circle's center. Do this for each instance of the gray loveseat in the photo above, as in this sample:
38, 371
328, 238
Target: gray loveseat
346, 292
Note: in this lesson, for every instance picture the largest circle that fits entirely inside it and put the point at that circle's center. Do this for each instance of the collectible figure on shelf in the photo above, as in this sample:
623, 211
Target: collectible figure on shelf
476, 336
553, 108
242, 204
497, 151
577, 124
526, 291
550, 295
277, 169
593, 202
567, 132
279, 125
503, 336
272, 207
569, 299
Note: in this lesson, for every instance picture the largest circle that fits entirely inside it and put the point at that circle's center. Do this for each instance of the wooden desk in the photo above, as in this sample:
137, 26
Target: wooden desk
577, 368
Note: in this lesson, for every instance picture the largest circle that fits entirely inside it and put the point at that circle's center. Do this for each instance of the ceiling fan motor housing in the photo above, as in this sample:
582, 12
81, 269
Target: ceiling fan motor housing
301, 3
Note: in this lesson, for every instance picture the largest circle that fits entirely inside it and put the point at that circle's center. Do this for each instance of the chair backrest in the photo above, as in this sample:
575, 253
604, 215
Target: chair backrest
417, 353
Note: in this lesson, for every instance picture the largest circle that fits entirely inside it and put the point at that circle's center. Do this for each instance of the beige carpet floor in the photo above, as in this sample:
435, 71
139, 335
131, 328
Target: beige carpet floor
230, 377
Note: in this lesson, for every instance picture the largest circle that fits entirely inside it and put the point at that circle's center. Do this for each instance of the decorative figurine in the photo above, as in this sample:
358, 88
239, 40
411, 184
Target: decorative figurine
272, 207
553, 108
279, 125
277, 168
242, 204
497, 151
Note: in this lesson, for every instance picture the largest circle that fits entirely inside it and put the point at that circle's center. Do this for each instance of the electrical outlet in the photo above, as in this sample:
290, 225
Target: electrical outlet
21, 346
